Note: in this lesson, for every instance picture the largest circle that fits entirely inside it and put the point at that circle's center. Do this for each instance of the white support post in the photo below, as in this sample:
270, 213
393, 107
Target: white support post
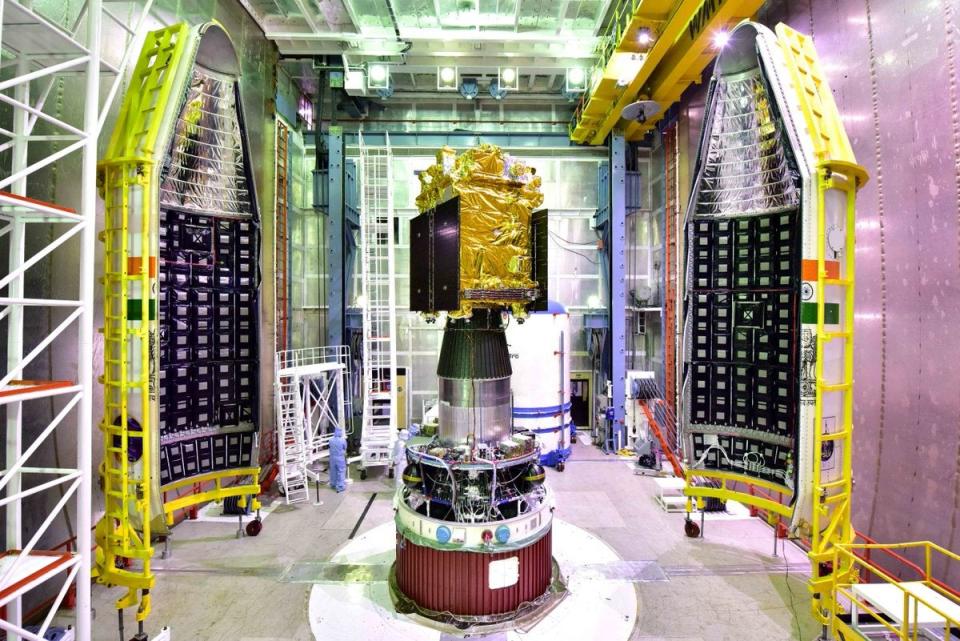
14, 445
88, 209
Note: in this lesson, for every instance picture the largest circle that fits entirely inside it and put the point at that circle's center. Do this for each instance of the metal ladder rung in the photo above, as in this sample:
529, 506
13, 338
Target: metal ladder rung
835, 436
836, 498
837, 387
829, 336
832, 485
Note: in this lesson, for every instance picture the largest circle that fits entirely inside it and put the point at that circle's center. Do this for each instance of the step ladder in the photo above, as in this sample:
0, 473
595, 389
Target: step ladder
670, 494
313, 399
379, 307
291, 444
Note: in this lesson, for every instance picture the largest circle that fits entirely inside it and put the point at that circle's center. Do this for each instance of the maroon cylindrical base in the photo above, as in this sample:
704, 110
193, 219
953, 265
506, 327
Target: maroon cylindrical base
459, 582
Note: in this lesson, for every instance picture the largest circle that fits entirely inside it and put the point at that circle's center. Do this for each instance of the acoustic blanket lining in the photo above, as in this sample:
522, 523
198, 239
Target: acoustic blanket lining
205, 169
746, 168
743, 279
209, 246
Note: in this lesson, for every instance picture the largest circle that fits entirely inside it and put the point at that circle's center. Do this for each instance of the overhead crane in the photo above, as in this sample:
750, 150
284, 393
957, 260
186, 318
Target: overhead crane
658, 67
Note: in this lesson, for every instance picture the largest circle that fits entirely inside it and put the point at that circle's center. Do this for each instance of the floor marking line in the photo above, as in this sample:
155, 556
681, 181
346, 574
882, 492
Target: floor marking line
362, 516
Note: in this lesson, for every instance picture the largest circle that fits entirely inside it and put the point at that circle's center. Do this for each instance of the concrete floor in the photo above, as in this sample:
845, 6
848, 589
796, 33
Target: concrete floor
725, 587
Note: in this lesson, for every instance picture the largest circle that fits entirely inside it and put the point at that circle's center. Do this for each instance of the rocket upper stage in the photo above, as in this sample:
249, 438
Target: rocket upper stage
473, 514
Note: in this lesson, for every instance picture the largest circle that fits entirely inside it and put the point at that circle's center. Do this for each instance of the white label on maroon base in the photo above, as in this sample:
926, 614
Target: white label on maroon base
504, 573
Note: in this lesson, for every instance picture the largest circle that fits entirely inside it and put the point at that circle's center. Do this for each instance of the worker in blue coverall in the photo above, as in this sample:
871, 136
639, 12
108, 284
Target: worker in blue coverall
338, 461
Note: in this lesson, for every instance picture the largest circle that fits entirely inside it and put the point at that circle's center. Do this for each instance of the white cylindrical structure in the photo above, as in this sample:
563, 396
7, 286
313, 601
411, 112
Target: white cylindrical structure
540, 357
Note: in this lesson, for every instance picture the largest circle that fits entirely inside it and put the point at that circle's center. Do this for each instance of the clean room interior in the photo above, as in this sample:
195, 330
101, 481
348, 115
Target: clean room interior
479, 319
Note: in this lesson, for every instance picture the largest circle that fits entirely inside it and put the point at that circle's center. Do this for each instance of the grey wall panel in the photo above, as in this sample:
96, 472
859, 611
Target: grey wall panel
890, 67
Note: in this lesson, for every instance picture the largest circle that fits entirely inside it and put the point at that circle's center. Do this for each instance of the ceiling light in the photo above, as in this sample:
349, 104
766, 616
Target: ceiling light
644, 36
378, 73
447, 79
508, 79
576, 80
378, 76
720, 38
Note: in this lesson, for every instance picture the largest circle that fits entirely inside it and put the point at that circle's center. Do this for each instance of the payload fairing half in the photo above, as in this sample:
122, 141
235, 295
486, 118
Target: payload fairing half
768, 299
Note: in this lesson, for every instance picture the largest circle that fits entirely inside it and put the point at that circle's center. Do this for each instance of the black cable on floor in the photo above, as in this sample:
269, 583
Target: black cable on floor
793, 605
362, 516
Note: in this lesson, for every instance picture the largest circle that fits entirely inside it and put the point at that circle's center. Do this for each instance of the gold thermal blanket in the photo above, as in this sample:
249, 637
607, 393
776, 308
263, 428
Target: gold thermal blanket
497, 194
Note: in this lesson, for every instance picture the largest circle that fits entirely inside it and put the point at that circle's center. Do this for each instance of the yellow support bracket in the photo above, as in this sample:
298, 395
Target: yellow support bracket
248, 485
623, 58
728, 491
689, 55
682, 46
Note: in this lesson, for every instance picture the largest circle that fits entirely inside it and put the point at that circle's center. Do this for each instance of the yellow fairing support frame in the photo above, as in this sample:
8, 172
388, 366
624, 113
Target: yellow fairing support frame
129, 188
831, 524
129, 182
729, 490
838, 172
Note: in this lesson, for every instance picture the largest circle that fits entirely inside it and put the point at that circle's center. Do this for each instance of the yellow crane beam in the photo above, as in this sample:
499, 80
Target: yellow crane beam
688, 57
625, 63
661, 70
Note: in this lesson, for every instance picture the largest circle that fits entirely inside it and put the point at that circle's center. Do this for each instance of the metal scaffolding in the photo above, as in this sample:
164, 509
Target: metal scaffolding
313, 399
43, 53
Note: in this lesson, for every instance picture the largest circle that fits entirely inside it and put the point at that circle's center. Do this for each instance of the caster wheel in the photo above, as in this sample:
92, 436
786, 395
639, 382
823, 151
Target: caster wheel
254, 527
691, 529
560, 466
363, 475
